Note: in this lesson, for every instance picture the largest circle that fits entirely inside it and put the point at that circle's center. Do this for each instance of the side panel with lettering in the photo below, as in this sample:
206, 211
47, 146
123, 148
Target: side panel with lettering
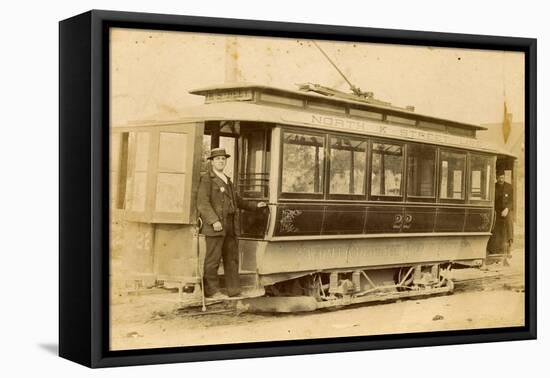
302, 256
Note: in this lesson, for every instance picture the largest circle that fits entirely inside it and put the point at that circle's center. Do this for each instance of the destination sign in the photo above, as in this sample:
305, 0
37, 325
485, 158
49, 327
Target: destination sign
229, 95
333, 123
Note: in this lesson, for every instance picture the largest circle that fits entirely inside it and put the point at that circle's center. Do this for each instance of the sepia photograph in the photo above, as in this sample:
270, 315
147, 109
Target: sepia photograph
272, 189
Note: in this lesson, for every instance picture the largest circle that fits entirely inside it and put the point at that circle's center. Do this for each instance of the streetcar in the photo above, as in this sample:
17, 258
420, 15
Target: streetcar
366, 201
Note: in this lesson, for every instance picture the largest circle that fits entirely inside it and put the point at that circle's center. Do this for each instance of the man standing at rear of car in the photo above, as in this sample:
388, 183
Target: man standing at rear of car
503, 233
218, 204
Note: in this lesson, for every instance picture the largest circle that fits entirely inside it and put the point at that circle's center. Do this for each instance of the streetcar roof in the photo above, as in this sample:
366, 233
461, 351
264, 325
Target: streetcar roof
246, 111
348, 100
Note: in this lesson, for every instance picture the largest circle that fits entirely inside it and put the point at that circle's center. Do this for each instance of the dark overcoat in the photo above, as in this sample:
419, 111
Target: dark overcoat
504, 197
216, 200
503, 231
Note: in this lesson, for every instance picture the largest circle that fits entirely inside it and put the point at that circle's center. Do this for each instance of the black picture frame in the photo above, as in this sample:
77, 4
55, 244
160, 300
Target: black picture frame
84, 187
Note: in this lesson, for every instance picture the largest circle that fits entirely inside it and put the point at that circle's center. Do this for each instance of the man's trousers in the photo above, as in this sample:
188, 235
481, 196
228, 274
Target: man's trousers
216, 248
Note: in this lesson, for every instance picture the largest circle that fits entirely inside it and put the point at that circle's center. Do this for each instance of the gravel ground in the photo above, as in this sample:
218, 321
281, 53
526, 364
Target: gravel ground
490, 297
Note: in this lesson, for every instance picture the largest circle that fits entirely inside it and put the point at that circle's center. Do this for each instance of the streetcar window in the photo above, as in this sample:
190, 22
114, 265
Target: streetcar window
480, 177
171, 172
421, 169
254, 172
140, 142
452, 166
387, 167
302, 163
348, 160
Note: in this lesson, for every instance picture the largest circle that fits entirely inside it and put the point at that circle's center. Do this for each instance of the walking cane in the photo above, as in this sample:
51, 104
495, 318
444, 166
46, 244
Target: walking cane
199, 270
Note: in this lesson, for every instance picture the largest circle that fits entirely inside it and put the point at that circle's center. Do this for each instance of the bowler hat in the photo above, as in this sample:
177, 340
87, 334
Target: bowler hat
218, 152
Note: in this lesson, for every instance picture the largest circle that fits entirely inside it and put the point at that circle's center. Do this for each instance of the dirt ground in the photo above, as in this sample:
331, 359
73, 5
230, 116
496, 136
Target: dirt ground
483, 298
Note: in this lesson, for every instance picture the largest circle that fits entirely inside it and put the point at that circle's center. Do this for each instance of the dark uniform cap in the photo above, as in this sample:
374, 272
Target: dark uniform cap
218, 152
500, 172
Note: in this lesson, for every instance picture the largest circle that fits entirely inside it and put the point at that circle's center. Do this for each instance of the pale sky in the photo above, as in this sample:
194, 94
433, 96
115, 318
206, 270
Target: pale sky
153, 71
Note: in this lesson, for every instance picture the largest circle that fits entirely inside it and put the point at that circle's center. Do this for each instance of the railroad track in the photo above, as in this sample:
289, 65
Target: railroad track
490, 281
508, 281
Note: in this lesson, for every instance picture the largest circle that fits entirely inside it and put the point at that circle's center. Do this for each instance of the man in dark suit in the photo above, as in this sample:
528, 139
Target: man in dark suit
503, 232
218, 204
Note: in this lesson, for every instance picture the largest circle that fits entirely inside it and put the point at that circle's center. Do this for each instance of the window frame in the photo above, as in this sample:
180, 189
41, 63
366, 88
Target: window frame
146, 214
382, 198
491, 194
159, 215
293, 195
423, 199
465, 176
241, 166
340, 196
439, 151
150, 214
